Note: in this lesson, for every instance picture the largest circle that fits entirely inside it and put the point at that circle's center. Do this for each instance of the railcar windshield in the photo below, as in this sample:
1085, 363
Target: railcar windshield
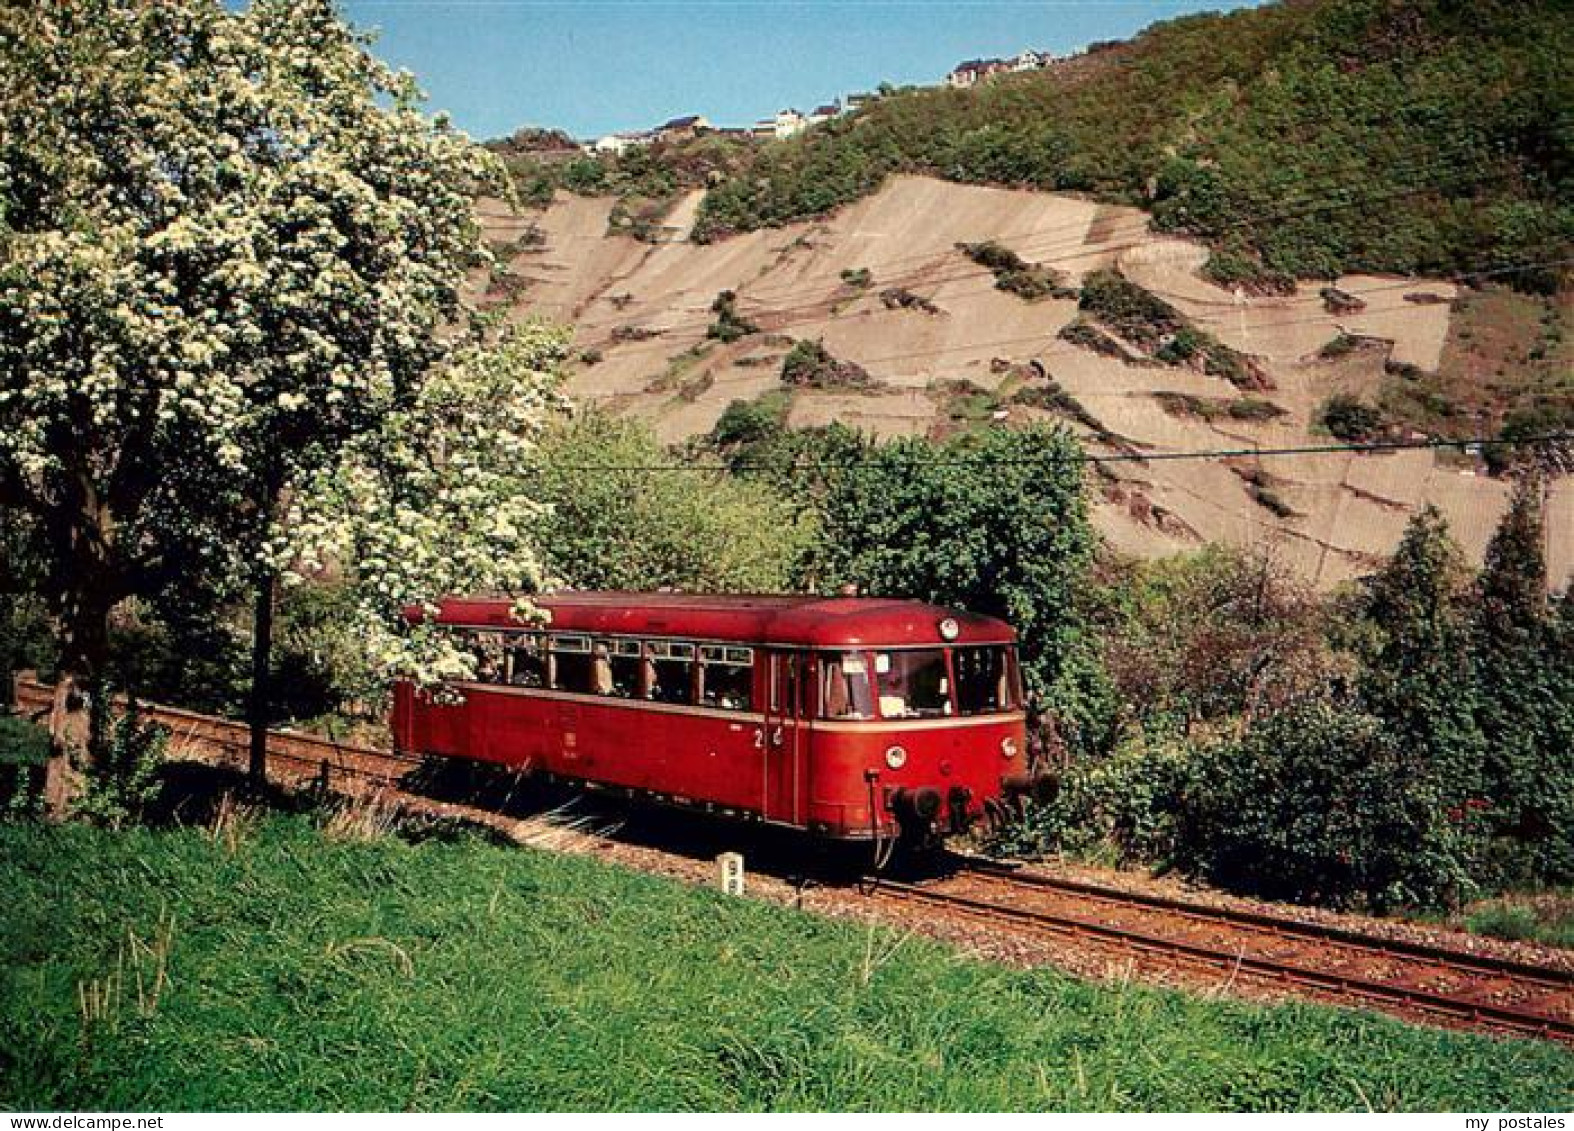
845, 692
913, 683
986, 680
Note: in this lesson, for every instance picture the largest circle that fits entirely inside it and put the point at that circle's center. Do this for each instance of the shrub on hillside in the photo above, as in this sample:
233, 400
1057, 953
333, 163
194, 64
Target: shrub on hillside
1350, 419
746, 423
729, 325
810, 365
1016, 275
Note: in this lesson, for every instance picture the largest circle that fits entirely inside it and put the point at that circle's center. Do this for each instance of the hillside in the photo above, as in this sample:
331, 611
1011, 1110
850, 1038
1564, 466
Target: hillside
1162, 358
1310, 138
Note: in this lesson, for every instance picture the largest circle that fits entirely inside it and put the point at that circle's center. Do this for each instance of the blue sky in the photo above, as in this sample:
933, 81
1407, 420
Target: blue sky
594, 66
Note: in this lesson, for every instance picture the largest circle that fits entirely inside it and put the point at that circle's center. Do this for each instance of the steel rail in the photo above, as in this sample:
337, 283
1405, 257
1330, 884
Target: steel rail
1280, 926
1347, 987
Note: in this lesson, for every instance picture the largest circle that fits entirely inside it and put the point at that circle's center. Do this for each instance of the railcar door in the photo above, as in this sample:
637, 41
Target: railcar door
785, 736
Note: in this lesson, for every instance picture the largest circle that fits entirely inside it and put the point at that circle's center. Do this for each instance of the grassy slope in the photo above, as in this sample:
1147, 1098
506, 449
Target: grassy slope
306, 973
1446, 124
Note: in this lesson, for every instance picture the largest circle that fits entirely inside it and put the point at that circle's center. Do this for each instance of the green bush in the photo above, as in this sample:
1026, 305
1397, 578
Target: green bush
1350, 419
1319, 804
729, 325
810, 365
1121, 809
24, 747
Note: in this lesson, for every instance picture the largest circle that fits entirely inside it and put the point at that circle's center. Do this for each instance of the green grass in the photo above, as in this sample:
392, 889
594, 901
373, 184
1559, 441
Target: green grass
1548, 918
304, 972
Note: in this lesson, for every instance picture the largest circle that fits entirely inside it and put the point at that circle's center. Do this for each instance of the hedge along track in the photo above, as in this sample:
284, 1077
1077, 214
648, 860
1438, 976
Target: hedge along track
1414, 980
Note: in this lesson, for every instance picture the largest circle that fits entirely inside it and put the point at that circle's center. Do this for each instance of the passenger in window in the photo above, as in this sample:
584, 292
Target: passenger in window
846, 688
728, 686
601, 670
486, 666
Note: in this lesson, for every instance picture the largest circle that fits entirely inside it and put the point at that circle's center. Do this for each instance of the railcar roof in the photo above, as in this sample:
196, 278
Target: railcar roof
794, 620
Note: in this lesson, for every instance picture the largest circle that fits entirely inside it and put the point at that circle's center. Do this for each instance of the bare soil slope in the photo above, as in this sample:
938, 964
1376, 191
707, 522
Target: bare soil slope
642, 311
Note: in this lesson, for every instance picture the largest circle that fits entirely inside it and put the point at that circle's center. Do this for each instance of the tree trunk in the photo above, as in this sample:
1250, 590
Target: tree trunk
84, 647
261, 669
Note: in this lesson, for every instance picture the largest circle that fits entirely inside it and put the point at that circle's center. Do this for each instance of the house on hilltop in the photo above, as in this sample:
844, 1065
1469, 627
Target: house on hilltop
790, 122
682, 129
974, 71
825, 113
617, 144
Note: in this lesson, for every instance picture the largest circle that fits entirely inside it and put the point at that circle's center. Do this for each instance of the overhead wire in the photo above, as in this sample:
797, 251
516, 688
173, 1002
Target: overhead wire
1086, 458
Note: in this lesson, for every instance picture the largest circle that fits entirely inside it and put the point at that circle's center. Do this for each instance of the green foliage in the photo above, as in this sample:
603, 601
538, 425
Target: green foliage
1148, 321
1350, 419
995, 522
312, 974
1524, 921
1299, 140
24, 746
810, 365
613, 526
1121, 809
1418, 672
1536, 421
1526, 701
1213, 637
746, 424
1054, 397
1015, 275
859, 278
753, 439
1326, 803
729, 325
1253, 410
122, 779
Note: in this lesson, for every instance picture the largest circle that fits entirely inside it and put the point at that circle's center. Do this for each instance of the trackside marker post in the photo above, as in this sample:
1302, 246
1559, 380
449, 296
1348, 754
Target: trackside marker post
729, 873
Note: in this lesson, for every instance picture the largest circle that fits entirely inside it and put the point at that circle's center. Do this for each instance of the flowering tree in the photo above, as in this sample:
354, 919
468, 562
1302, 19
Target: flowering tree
433, 500
231, 253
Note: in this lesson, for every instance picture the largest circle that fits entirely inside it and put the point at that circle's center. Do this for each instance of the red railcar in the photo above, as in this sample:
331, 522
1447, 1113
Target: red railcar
851, 718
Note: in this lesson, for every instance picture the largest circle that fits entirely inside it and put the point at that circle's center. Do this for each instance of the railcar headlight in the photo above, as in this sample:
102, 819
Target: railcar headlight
949, 629
895, 757
1008, 747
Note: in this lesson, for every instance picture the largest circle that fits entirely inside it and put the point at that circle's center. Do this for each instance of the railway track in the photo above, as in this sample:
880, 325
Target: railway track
302, 756
1418, 981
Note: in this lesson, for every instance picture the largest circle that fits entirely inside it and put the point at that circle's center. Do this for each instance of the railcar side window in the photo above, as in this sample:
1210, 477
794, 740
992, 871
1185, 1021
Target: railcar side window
913, 683
527, 663
626, 668
488, 650
671, 672
983, 680
726, 677
573, 665
845, 688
